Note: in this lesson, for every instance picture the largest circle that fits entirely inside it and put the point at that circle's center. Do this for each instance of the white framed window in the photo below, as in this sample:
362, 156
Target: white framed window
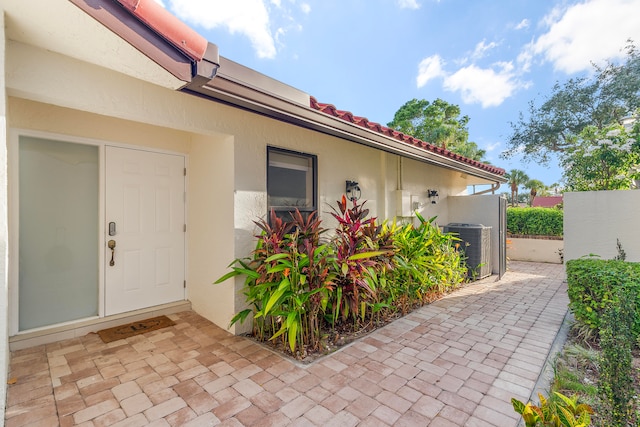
291, 182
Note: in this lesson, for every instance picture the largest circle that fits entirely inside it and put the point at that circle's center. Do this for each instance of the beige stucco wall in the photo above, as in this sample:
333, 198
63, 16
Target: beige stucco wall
226, 150
209, 191
210, 226
24, 114
338, 161
157, 118
4, 241
535, 250
593, 220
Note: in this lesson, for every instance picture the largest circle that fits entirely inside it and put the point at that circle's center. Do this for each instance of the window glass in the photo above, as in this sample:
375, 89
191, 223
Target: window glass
58, 215
290, 182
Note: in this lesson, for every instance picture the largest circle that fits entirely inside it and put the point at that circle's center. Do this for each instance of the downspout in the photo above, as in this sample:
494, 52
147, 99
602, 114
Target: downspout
492, 190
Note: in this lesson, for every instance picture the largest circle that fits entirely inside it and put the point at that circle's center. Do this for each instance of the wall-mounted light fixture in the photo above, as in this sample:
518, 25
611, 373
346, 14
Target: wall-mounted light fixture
353, 191
433, 196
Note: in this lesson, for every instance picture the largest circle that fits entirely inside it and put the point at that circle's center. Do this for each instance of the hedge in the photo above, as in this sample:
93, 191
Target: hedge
591, 285
534, 221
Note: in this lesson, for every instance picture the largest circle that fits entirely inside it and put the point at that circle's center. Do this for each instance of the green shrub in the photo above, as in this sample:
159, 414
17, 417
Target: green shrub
556, 411
534, 221
362, 253
288, 281
593, 285
616, 370
426, 262
298, 285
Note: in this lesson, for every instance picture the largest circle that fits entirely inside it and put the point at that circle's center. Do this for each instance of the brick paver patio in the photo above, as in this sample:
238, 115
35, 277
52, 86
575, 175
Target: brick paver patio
456, 362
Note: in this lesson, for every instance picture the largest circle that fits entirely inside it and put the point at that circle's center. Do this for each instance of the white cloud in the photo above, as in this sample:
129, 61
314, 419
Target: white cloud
247, 17
486, 86
492, 147
306, 8
408, 4
525, 59
522, 24
429, 69
279, 35
590, 31
482, 48
574, 37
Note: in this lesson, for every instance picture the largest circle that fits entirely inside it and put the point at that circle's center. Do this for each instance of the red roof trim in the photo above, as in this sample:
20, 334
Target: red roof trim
130, 28
168, 26
402, 137
547, 201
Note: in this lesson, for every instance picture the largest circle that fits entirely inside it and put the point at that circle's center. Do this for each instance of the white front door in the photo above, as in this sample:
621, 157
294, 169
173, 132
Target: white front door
145, 219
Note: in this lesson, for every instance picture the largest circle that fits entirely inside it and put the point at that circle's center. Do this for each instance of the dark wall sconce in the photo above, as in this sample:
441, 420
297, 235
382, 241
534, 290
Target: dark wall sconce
433, 196
353, 191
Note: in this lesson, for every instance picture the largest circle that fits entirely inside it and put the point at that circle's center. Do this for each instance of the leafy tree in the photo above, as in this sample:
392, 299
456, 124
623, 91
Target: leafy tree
516, 178
534, 186
604, 159
438, 123
554, 188
558, 125
471, 151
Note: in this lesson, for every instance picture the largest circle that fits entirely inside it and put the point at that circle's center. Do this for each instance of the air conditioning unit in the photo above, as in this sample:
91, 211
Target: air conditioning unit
476, 243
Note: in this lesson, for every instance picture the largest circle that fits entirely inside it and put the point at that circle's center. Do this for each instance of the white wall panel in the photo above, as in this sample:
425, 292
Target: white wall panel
593, 220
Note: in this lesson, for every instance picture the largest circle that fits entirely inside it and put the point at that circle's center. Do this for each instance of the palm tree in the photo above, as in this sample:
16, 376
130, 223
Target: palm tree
534, 185
516, 178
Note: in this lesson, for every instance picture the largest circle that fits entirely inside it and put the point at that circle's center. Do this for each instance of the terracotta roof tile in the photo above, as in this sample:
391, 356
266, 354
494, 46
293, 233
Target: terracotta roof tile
402, 137
547, 201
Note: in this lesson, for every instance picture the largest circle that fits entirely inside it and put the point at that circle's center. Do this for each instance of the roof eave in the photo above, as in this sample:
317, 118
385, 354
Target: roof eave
230, 88
140, 35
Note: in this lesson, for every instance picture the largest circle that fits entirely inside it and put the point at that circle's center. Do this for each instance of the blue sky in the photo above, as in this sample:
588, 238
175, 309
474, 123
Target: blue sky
371, 56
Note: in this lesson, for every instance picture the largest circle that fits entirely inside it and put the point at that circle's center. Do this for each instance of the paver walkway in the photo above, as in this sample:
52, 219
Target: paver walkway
456, 362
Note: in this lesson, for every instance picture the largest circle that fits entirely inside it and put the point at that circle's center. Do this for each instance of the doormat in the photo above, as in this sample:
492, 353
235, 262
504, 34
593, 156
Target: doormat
134, 328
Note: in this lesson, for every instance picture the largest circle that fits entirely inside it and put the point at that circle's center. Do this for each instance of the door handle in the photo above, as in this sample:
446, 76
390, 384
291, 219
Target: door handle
112, 246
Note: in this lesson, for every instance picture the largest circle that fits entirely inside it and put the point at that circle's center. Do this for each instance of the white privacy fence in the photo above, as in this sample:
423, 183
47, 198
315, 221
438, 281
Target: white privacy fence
595, 220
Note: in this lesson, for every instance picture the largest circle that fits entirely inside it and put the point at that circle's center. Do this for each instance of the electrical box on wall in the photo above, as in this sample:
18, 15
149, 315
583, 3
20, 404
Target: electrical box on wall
403, 203
416, 205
